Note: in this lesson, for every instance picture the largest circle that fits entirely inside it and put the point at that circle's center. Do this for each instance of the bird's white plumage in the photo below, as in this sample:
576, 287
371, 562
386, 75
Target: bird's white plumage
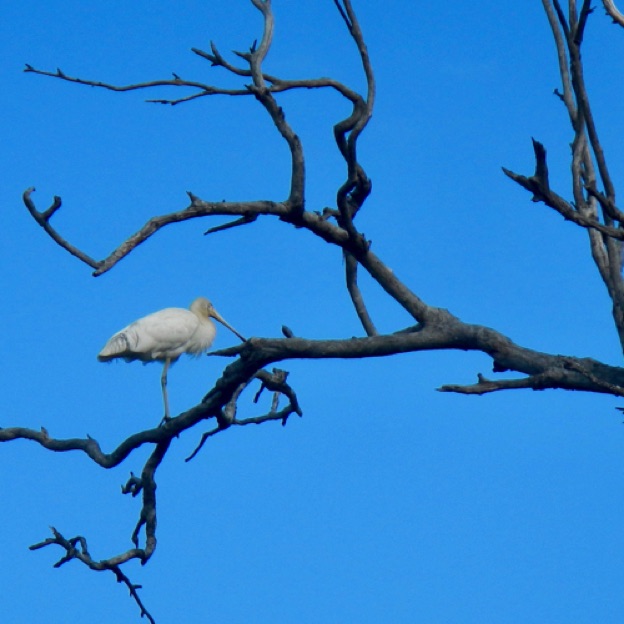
164, 336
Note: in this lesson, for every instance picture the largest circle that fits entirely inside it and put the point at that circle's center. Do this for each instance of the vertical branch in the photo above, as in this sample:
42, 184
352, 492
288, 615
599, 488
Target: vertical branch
351, 265
572, 18
358, 37
357, 187
148, 511
296, 198
582, 98
612, 275
259, 54
562, 58
580, 28
562, 18
586, 148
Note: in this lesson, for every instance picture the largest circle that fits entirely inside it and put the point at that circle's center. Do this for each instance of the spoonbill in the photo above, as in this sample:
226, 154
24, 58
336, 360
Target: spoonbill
164, 336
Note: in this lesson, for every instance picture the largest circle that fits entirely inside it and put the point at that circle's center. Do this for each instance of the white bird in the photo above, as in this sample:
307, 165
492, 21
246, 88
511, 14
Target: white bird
164, 336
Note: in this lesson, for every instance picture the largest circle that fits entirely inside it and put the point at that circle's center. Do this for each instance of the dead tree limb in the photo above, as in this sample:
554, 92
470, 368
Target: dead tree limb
613, 12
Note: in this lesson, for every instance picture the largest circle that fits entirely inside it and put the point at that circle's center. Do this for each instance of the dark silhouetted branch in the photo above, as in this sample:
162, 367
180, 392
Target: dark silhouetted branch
82, 554
351, 265
204, 89
43, 219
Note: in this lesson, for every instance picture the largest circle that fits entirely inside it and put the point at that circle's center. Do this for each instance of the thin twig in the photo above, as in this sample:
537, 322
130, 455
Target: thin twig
82, 554
485, 386
282, 416
539, 186
244, 220
564, 69
175, 82
205, 436
43, 219
565, 209
351, 265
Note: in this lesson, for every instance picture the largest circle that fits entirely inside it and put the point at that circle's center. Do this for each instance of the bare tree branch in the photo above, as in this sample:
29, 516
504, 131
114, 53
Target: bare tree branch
607, 204
613, 12
197, 208
204, 89
582, 22
444, 331
541, 381
565, 209
83, 555
351, 265
605, 231
43, 219
275, 381
352, 194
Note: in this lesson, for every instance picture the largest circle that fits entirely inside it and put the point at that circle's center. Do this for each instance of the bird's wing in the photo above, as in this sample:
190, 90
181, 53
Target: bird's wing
163, 334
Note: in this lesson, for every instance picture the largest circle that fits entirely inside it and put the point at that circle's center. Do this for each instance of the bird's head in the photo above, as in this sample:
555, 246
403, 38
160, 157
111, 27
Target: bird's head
205, 310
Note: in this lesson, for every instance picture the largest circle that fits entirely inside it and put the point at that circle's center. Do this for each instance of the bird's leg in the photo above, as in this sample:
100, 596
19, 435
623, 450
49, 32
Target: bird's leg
163, 384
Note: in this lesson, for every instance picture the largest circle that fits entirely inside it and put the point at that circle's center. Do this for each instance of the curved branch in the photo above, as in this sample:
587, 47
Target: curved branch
613, 12
83, 556
258, 55
353, 193
275, 381
213, 403
43, 219
147, 518
263, 94
198, 208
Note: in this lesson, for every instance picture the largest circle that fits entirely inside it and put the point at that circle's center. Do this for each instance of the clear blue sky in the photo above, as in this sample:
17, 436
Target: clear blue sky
388, 501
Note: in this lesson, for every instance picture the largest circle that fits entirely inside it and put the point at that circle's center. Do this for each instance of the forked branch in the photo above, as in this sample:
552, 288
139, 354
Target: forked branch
592, 208
43, 219
76, 548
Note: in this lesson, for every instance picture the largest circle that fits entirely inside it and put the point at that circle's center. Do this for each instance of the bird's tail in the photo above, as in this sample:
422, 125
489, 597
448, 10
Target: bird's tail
117, 346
